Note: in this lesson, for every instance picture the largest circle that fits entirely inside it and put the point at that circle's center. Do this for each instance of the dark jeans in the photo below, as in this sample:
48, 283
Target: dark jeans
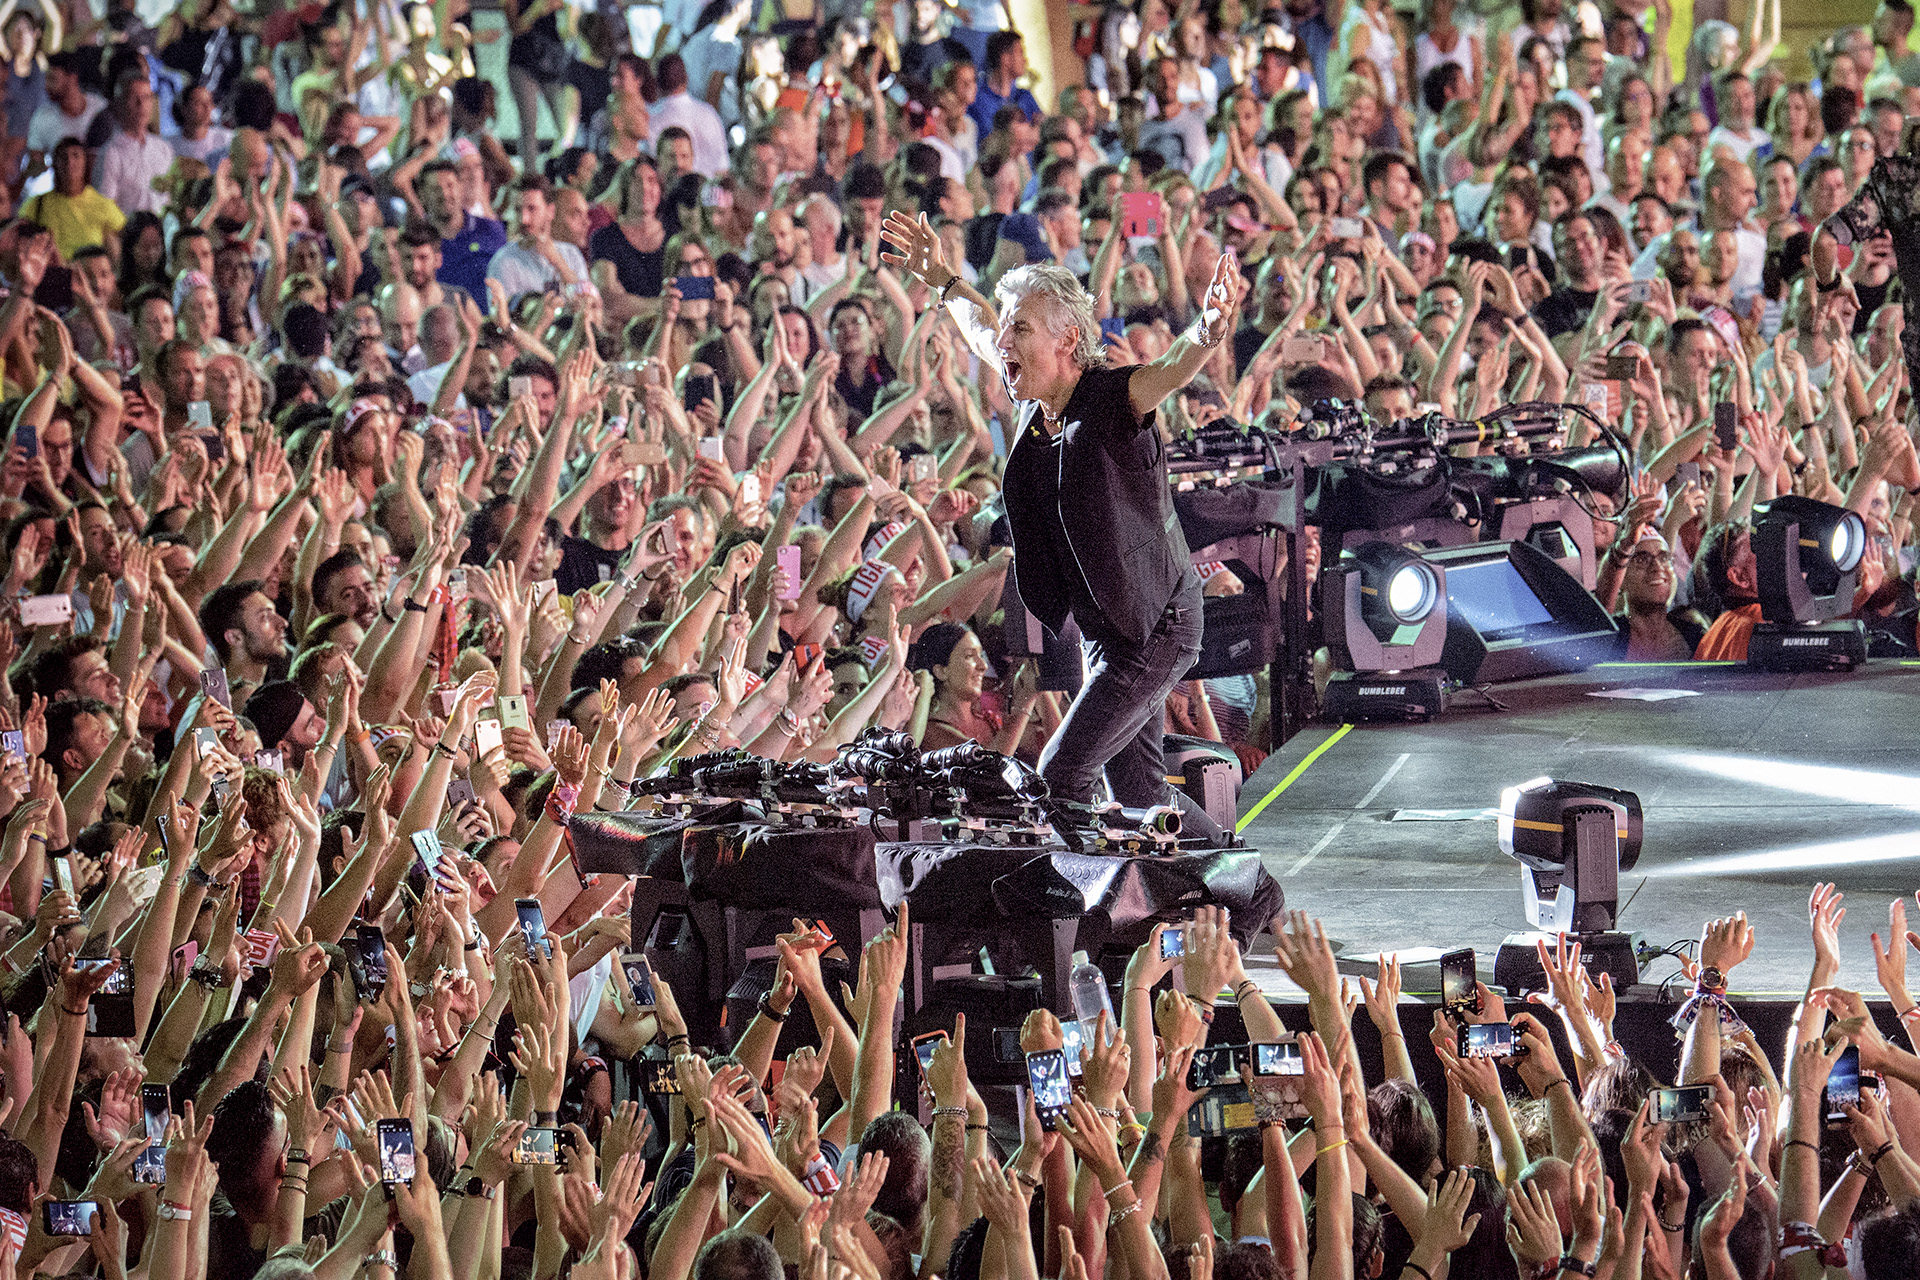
1116, 722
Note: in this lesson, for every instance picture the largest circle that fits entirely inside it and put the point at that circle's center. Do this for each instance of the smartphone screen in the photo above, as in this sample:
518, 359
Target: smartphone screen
1486, 1040
923, 1047
1210, 1066
1173, 941
71, 1217
1843, 1086
156, 1107
1072, 1043
396, 1150
1676, 1106
1457, 978
370, 954
13, 744
426, 846
538, 1146
533, 925
700, 386
639, 979
1622, 368
1280, 1059
1052, 1090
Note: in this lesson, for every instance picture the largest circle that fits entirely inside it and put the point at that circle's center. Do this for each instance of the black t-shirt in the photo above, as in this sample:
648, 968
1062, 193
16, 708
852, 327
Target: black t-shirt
584, 564
1565, 310
640, 274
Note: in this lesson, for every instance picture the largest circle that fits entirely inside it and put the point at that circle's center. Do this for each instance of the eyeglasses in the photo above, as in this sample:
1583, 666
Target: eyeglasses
1650, 559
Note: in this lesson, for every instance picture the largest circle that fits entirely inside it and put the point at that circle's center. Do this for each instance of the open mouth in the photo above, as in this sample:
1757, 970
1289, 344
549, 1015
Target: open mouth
1012, 368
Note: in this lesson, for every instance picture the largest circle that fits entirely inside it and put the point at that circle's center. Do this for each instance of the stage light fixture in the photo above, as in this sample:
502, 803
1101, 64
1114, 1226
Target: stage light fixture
1385, 609
1572, 841
1806, 568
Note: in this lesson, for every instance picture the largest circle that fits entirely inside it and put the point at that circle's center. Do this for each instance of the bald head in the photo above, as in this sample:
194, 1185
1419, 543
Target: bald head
400, 315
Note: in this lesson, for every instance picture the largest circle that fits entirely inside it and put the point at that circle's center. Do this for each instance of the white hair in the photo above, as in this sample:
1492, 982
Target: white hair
832, 210
1068, 306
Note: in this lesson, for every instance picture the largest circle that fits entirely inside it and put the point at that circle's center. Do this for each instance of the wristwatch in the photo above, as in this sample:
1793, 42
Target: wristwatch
476, 1188
1711, 979
768, 1011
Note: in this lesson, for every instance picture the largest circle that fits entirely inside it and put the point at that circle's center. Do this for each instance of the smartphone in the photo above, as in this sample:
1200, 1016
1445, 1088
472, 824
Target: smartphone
271, 761
1006, 1044
668, 925
1211, 1065
71, 1217
26, 438
747, 490
1072, 1043
13, 744
923, 1047
460, 794
1346, 228
46, 611
922, 467
110, 1015
1052, 1090
1279, 1059
200, 415
1726, 425
63, 877
520, 386
1678, 1106
513, 711
639, 979
1113, 327
1622, 368
788, 558
368, 961
486, 736
1301, 351
694, 288
213, 683
1843, 1085
396, 1150
1173, 942
1486, 1040
1640, 291
156, 1106
538, 1146
182, 960
700, 386
534, 925
1142, 213
1459, 989
804, 654
426, 845
1225, 1110
641, 453
118, 983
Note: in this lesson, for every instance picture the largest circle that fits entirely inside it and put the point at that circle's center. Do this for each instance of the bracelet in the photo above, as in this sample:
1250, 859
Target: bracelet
444, 750
979, 1127
1801, 1142
1570, 1263
1201, 337
78, 1013
1391, 1035
1561, 1080
413, 606
1414, 1266
545, 1119
1111, 1113
298, 1156
1879, 1155
1118, 1186
1032, 1183
1121, 1214
768, 1012
1246, 989
942, 1112
1672, 1226
952, 280
383, 1258
681, 1036
1331, 1146
35, 835
391, 620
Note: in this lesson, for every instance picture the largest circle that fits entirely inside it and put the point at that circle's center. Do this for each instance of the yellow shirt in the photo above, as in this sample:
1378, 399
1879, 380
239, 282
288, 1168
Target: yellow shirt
76, 221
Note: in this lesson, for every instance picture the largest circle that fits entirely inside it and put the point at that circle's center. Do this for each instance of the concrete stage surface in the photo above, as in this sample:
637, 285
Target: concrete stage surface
1755, 788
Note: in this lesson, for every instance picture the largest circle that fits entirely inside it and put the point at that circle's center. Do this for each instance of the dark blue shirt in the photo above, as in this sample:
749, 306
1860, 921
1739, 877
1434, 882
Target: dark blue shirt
464, 256
987, 103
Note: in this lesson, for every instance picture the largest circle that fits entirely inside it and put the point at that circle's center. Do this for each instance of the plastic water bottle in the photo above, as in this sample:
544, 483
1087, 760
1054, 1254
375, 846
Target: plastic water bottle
1088, 987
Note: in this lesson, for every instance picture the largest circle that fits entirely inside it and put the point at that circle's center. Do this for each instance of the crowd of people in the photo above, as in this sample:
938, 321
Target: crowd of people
381, 492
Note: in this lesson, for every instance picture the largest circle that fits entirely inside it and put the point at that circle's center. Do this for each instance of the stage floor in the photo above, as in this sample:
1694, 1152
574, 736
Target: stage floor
1755, 788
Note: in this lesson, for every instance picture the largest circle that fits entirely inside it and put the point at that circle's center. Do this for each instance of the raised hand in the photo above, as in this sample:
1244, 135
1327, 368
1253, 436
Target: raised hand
920, 251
